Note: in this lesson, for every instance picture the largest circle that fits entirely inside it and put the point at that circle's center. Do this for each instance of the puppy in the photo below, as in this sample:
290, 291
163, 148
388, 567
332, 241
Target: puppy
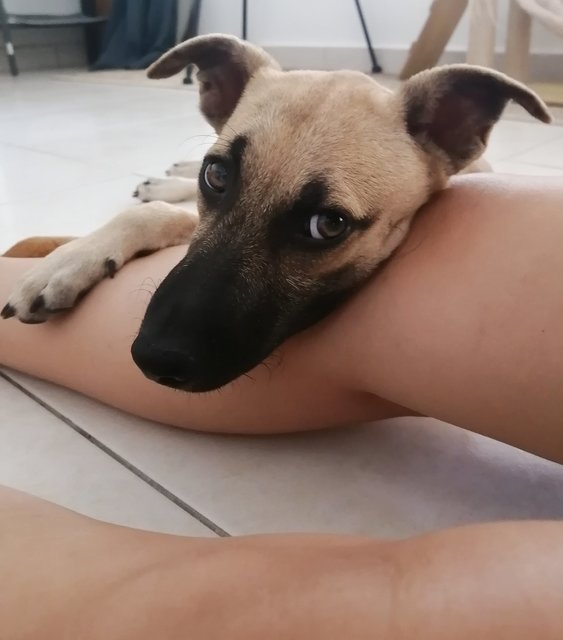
312, 183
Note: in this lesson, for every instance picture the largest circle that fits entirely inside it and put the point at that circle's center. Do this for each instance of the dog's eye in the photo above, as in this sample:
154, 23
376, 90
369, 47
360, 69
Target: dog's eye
326, 226
216, 176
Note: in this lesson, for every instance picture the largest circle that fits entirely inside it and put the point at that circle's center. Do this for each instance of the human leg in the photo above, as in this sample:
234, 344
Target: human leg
65, 575
462, 324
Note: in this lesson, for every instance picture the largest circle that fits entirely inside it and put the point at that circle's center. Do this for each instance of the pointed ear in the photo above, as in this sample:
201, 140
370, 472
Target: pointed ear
225, 65
451, 110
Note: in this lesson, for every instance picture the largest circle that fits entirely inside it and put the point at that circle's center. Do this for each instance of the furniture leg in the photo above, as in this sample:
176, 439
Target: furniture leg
426, 50
516, 59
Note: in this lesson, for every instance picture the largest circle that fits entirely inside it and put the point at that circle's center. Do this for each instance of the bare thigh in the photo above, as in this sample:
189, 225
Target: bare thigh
92, 580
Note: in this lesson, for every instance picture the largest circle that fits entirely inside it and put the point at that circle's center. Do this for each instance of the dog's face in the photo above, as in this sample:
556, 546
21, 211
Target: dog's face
312, 183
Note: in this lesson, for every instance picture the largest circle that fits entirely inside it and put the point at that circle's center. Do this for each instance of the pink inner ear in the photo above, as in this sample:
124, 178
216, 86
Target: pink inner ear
451, 120
220, 90
462, 121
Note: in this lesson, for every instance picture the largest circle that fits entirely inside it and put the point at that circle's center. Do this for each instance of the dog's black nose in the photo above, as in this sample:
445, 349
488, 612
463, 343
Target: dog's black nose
166, 366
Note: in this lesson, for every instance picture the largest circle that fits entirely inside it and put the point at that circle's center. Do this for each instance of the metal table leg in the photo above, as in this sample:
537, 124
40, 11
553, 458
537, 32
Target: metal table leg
375, 68
244, 19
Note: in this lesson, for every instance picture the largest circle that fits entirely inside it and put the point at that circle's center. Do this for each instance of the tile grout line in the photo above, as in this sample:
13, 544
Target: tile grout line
206, 522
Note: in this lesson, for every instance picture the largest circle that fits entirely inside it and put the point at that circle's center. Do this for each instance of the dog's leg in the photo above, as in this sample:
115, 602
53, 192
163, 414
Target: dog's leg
167, 190
36, 247
186, 169
60, 280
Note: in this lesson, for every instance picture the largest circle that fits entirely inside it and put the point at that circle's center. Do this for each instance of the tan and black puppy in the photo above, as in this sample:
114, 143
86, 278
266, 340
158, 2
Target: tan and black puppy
312, 182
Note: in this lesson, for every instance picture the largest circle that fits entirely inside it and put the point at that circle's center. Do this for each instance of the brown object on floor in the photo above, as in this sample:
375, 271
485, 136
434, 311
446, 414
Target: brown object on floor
441, 23
36, 247
550, 92
439, 27
518, 35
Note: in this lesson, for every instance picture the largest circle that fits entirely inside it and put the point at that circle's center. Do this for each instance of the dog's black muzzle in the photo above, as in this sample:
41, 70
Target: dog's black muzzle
206, 324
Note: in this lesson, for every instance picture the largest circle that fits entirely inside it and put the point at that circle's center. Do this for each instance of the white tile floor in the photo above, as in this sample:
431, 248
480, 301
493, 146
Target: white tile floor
71, 152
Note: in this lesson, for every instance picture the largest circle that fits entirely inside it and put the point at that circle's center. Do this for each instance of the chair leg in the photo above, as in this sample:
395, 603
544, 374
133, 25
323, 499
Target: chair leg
10, 52
93, 37
192, 29
375, 68
443, 18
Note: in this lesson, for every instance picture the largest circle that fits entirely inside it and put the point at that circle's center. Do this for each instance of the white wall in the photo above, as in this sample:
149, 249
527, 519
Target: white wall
393, 24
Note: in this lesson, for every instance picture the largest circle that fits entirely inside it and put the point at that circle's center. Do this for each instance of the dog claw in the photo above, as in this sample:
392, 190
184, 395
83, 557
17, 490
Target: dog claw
8, 312
147, 181
110, 267
37, 304
32, 321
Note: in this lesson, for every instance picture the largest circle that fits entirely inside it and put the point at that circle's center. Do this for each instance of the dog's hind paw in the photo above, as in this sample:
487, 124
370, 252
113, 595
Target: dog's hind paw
166, 190
187, 169
59, 282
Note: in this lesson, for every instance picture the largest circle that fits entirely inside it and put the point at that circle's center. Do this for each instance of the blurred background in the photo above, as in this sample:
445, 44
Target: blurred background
325, 34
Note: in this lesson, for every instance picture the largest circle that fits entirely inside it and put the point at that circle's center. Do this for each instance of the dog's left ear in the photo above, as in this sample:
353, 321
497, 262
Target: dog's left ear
225, 65
451, 110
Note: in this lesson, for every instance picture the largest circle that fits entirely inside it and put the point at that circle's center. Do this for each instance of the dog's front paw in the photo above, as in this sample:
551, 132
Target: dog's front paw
59, 281
166, 190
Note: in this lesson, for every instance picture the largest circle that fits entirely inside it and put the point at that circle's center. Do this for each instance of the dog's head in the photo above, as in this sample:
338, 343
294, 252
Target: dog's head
311, 184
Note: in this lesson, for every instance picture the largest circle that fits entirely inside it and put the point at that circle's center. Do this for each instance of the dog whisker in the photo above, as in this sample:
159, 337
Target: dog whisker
200, 135
232, 129
147, 291
207, 139
201, 144
273, 361
148, 281
225, 144
153, 282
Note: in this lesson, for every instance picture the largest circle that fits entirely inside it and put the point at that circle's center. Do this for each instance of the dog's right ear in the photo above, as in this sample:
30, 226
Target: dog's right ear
225, 65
